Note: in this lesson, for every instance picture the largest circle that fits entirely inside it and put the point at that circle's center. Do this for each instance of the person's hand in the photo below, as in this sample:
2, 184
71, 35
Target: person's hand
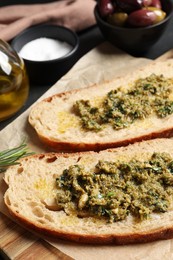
74, 14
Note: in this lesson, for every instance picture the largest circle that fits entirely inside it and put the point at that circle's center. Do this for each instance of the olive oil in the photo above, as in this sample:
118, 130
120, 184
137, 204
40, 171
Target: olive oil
14, 85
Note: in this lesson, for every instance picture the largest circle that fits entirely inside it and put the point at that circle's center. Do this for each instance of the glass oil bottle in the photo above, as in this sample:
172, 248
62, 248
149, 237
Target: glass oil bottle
14, 85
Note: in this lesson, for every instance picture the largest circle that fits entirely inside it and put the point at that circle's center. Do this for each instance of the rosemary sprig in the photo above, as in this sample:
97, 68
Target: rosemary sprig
10, 156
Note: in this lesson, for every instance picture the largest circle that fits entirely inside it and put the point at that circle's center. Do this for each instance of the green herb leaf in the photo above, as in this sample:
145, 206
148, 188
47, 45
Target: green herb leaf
11, 156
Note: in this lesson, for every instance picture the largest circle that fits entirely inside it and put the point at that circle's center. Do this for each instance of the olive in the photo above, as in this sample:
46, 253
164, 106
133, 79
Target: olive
146, 3
118, 18
160, 15
157, 4
129, 5
141, 18
105, 7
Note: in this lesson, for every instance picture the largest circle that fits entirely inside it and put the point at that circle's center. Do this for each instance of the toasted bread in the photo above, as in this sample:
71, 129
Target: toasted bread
31, 188
58, 126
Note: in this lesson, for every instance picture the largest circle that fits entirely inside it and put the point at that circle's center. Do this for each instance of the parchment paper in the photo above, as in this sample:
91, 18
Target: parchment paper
102, 63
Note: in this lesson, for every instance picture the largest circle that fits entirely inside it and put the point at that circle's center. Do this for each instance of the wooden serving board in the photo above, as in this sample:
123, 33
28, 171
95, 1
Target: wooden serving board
17, 243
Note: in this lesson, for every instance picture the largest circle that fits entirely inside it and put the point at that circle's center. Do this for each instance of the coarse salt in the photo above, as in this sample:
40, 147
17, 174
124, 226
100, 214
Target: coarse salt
43, 49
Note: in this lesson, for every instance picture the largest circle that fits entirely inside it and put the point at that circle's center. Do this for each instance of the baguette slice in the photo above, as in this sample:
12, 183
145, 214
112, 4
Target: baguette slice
57, 125
31, 190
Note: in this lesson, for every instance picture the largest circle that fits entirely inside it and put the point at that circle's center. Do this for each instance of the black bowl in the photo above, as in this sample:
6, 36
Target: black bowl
135, 40
49, 71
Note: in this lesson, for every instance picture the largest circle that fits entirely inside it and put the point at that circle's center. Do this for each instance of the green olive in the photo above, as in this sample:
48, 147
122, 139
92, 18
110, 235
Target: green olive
160, 14
118, 18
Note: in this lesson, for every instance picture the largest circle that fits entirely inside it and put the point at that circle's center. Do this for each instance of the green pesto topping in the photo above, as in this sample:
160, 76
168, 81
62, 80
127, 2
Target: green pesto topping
120, 109
113, 190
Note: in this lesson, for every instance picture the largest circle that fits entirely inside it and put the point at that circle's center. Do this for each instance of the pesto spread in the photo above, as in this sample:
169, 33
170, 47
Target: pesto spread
113, 190
120, 109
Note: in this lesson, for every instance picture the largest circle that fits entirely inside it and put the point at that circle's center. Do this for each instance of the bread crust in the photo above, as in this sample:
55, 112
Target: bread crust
77, 147
138, 238
31, 212
46, 121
